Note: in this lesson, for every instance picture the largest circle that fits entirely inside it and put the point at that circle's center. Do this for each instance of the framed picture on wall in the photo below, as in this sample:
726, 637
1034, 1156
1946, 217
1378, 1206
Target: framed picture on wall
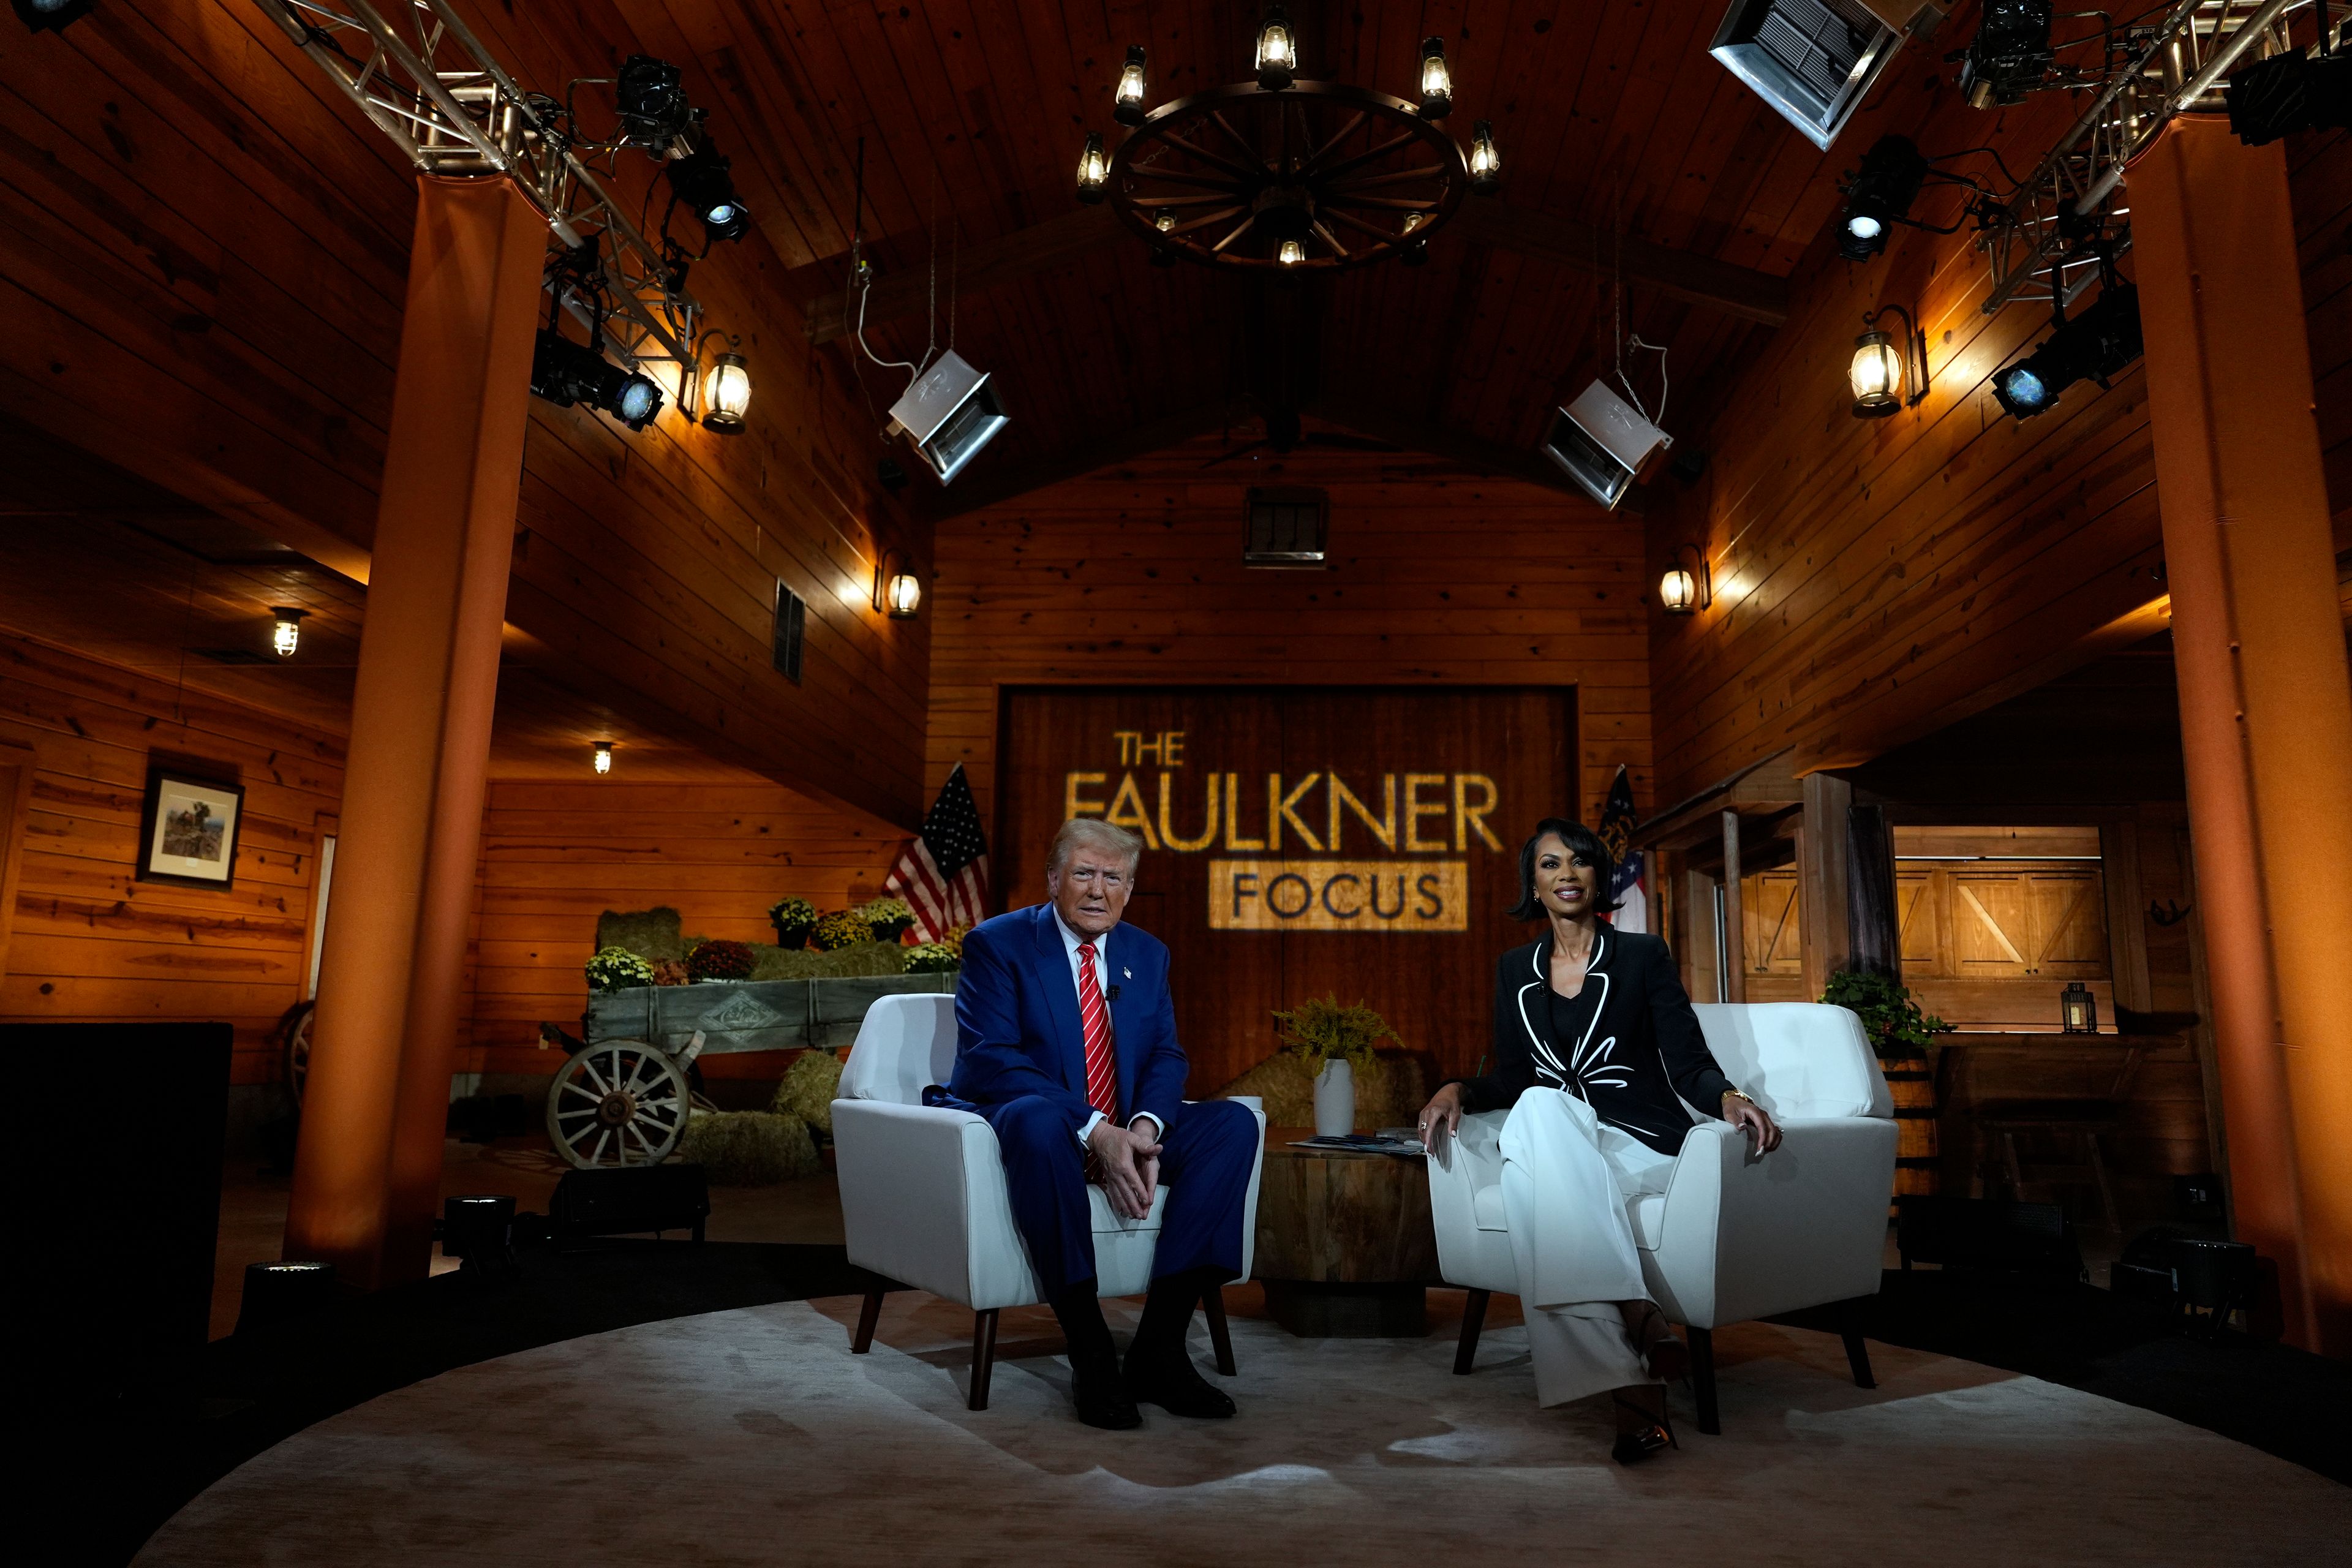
188, 828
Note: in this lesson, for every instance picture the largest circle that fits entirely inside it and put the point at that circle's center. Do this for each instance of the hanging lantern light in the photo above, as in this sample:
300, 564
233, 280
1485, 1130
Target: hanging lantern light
1278, 51
1291, 253
1164, 255
2078, 1010
1092, 170
904, 595
1127, 103
1414, 252
726, 393
287, 634
603, 763
1486, 161
1436, 81
1677, 592
1877, 375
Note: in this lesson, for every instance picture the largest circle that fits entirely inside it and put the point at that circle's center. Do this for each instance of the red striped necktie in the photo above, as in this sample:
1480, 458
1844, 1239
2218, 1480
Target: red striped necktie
1102, 1071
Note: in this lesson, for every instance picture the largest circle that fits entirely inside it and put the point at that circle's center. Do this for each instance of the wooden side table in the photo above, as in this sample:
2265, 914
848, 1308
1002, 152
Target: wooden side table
1345, 1246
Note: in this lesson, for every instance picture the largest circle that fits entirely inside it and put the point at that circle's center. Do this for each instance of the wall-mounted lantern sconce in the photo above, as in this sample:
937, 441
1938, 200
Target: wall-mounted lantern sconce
1686, 590
603, 763
288, 636
1881, 373
897, 593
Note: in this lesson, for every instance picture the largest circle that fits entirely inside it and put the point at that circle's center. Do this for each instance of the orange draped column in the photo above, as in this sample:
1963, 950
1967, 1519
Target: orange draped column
2266, 702
367, 1173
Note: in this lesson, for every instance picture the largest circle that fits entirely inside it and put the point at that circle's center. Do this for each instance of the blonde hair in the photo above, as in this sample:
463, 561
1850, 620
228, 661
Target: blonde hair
1095, 833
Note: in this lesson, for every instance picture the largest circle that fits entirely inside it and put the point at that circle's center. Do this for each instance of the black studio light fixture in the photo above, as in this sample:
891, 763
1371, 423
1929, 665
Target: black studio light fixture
2010, 55
650, 95
1879, 196
702, 182
2290, 92
50, 15
2094, 345
565, 372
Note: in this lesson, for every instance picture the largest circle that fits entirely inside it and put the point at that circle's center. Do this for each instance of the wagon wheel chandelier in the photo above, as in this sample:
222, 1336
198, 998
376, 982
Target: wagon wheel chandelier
1286, 175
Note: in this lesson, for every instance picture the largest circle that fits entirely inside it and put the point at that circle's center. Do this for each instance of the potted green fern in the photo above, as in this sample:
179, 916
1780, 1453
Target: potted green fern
1895, 1023
1335, 1044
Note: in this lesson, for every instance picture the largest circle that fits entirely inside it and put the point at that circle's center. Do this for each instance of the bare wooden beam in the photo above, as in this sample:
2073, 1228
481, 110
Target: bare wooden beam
1057, 241
971, 491
1419, 434
1683, 275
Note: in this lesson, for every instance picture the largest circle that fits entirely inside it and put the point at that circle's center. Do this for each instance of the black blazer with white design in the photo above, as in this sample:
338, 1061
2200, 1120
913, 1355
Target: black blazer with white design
1641, 1047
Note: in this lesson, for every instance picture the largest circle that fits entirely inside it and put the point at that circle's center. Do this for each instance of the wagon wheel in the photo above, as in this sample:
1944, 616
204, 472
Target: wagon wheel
618, 1103
294, 1042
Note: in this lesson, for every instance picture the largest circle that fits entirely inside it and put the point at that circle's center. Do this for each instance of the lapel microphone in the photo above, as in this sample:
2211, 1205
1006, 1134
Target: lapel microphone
1112, 995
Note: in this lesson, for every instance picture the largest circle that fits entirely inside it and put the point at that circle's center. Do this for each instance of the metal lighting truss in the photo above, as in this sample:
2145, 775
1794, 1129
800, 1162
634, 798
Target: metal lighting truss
2045, 241
451, 109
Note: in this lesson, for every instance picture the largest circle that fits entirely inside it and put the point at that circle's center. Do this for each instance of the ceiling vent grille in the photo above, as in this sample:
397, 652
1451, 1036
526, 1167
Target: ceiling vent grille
791, 620
1813, 61
1286, 528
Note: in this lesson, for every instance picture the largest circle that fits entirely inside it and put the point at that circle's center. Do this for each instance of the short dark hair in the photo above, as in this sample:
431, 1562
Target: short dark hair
1581, 842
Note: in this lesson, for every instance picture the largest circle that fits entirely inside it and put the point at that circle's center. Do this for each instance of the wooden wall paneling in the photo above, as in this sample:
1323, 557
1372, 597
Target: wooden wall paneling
1823, 843
92, 943
16, 763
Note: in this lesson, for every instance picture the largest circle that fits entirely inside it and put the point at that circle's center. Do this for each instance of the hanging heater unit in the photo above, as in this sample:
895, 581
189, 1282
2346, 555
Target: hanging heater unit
950, 414
1813, 61
1603, 443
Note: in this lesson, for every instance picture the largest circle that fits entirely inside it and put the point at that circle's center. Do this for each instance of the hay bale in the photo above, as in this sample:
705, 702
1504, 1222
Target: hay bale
1390, 1097
865, 958
810, 1086
749, 1148
651, 935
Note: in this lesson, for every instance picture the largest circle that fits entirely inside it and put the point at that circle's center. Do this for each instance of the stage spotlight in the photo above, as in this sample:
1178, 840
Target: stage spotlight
2093, 346
2291, 92
50, 16
565, 372
2010, 54
950, 414
1126, 100
653, 106
1603, 443
701, 181
1880, 195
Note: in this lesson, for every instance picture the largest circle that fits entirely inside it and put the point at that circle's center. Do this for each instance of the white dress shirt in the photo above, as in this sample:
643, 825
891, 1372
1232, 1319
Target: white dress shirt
1071, 942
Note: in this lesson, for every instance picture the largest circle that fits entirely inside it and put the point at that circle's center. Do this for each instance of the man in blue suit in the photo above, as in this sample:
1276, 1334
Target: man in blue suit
1067, 1044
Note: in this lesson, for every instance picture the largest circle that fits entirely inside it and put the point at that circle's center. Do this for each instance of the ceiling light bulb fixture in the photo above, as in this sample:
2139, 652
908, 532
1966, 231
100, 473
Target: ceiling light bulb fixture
1278, 51
1485, 160
1092, 170
1291, 253
287, 635
726, 393
898, 594
1879, 196
1436, 81
701, 181
604, 763
1126, 101
1880, 372
1683, 591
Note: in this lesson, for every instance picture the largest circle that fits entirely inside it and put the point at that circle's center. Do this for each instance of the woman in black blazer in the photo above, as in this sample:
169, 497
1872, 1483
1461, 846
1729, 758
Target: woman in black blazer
1596, 1049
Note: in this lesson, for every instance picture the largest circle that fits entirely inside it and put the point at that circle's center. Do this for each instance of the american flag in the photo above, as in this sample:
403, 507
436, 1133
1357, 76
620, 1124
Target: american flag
1625, 888
943, 873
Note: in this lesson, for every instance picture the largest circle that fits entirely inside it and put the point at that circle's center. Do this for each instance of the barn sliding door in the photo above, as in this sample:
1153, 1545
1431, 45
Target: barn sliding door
1359, 841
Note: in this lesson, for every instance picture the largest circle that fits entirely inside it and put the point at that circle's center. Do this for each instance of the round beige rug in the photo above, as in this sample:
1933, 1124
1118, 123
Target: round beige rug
755, 1437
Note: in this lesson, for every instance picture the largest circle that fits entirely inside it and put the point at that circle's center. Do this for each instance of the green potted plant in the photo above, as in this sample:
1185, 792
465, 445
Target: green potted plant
933, 958
1335, 1044
890, 918
839, 930
1896, 1026
794, 920
618, 969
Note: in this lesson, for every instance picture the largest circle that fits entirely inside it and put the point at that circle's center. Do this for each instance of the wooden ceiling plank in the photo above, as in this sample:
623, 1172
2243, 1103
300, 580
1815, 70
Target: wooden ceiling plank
1719, 285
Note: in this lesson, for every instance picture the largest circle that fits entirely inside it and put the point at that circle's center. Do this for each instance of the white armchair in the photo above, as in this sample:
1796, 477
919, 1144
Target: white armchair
1733, 1236
923, 1200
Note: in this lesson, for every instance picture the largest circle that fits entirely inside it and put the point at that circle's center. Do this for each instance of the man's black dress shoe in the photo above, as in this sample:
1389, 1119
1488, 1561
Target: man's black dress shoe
1176, 1385
1101, 1394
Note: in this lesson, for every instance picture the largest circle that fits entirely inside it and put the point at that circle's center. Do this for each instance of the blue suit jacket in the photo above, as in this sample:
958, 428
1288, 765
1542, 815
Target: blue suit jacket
1017, 1028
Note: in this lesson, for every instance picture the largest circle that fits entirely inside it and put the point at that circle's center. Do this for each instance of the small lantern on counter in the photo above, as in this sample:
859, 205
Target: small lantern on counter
2078, 1009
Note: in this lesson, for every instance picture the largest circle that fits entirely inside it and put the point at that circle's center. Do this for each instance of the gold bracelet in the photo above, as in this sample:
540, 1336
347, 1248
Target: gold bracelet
1738, 1094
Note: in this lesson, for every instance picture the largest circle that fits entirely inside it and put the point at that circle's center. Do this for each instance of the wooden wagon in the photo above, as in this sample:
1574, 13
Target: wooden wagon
622, 1098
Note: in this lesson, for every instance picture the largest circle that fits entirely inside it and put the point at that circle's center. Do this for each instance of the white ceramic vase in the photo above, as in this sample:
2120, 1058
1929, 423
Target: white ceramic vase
1335, 1098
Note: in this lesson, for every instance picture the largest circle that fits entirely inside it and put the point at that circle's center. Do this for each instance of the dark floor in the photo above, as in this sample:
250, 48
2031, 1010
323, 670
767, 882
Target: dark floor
139, 1461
